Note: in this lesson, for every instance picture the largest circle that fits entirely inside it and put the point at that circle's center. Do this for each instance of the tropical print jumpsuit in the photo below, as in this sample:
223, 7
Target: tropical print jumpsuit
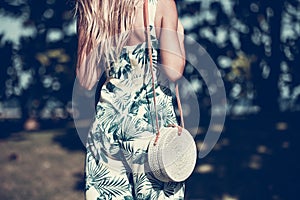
116, 160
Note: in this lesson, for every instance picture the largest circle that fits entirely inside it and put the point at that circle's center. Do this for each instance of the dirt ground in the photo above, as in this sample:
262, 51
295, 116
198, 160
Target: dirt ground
250, 161
35, 166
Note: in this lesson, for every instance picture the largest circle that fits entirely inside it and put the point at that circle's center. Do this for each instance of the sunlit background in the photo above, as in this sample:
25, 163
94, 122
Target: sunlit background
255, 45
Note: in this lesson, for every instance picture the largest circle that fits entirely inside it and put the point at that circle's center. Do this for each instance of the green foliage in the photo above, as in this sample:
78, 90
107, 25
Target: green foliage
263, 34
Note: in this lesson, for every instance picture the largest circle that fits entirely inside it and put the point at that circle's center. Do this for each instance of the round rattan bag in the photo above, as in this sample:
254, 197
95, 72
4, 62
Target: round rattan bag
172, 151
173, 157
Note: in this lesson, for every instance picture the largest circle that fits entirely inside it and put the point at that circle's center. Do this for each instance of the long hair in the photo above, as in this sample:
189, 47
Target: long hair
99, 27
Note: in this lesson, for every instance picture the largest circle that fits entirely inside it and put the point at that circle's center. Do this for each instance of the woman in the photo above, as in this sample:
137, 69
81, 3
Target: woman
111, 39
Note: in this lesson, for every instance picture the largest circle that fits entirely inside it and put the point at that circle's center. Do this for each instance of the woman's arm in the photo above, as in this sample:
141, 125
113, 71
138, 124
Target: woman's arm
180, 31
172, 51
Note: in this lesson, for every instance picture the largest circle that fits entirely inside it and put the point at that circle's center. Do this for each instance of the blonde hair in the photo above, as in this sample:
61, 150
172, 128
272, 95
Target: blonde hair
99, 27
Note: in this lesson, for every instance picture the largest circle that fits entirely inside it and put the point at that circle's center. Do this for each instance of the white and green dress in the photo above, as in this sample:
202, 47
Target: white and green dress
116, 160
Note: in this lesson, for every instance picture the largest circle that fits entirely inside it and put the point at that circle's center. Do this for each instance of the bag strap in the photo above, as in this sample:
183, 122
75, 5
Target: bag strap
149, 47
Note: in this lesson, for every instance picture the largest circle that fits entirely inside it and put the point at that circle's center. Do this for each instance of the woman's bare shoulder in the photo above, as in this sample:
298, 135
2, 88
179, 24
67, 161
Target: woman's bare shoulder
167, 7
167, 10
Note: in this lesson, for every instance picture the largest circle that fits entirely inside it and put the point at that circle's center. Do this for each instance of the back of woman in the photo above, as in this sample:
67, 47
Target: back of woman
116, 159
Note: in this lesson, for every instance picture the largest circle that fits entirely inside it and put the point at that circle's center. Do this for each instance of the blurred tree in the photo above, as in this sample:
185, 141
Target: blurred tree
264, 41
6, 69
254, 45
44, 61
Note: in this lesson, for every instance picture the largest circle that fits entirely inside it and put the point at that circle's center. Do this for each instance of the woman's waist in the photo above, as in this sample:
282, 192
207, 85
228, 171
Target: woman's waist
128, 89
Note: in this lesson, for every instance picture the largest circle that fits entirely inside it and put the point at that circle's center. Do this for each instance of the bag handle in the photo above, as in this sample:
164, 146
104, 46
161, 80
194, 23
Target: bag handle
149, 47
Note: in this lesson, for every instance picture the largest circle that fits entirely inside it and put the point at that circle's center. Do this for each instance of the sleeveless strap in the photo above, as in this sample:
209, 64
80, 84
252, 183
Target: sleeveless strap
152, 5
149, 47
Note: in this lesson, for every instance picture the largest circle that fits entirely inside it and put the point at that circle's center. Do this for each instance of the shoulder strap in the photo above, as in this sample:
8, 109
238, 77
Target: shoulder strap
152, 4
149, 47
